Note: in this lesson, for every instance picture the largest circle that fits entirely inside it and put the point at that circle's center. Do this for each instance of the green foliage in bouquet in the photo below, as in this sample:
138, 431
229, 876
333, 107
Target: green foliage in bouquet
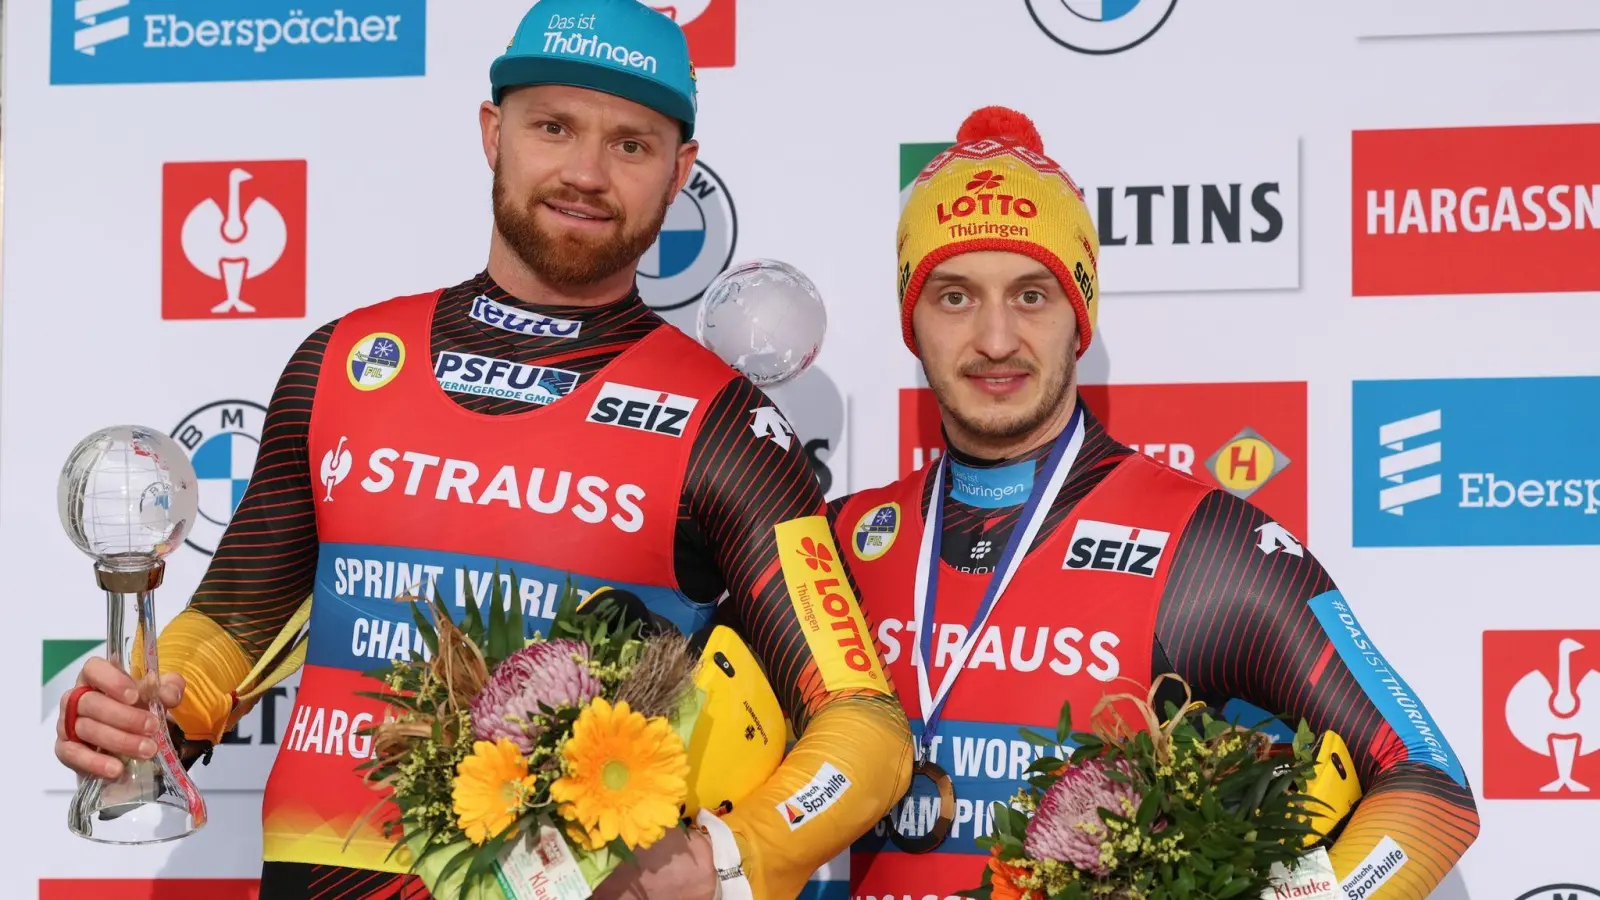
419, 750
1190, 808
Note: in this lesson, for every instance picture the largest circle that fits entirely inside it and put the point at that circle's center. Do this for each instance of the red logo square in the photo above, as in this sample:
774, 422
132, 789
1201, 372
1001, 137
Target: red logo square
1517, 201
233, 240
1541, 715
709, 26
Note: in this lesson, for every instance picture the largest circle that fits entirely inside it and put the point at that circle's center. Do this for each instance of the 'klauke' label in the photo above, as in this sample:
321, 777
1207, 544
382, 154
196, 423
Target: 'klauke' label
1312, 880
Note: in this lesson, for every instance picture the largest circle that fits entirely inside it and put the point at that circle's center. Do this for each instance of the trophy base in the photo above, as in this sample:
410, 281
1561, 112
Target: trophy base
138, 809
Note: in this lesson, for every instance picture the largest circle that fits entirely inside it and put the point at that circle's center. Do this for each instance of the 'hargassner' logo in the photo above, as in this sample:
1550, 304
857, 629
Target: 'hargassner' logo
1407, 455
1100, 26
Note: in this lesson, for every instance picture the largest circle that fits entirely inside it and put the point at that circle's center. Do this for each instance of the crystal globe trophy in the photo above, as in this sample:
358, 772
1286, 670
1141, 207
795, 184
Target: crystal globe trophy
128, 497
765, 319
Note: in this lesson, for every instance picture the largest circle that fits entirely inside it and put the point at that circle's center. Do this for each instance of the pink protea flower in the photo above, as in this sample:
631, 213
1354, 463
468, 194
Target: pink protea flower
1067, 826
552, 673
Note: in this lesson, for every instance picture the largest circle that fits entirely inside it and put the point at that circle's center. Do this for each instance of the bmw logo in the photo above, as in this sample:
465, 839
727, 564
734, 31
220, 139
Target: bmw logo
695, 244
222, 439
1100, 26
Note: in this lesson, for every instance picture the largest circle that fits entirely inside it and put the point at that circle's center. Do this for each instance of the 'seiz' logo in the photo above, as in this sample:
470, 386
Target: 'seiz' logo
1107, 547
642, 410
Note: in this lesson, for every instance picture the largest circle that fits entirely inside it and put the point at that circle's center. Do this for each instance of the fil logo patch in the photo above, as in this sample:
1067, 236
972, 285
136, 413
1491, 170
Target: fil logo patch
1523, 201
1108, 547
641, 409
816, 795
233, 240
709, 27
1541, 715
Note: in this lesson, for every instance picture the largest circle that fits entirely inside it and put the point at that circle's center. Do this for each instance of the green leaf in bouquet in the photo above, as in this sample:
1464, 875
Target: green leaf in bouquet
1149, 807
1220, 877
517, 622
483, 861
622, 850
1064, 723
1234, 887
430, 637
1035, 738
495, 644
472, 621
1046, 764
978, 893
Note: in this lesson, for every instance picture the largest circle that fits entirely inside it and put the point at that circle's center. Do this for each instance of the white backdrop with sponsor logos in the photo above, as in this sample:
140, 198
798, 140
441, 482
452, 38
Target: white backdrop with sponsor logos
1263, 303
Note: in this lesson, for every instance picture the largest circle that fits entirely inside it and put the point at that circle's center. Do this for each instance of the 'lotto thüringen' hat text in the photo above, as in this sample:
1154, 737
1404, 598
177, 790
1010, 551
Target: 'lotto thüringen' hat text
619, 47
996, 190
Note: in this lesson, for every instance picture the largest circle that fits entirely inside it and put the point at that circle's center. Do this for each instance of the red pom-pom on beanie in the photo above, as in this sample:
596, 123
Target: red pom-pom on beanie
1000, 123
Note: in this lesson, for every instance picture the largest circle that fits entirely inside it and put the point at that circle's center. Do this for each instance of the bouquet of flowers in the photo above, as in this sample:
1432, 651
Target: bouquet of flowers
544, 761
1184, 809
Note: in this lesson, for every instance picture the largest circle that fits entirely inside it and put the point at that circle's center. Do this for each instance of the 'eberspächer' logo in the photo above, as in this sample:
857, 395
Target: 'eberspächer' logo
695, 245
169, 41
1100, 26
1431, 470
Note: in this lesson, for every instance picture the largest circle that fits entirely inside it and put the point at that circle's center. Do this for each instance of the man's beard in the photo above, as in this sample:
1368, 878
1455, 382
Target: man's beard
571, 260
998, 425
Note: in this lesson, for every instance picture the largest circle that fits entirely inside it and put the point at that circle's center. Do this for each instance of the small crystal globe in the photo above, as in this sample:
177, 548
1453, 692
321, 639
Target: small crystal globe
127, 496
765, 319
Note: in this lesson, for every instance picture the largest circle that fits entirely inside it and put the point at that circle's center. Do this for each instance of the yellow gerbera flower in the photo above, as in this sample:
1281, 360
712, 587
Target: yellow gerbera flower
626, 776
491, 786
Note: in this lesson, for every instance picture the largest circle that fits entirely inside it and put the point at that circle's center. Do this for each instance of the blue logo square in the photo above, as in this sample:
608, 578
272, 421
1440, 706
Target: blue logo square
170, 41
1476, 462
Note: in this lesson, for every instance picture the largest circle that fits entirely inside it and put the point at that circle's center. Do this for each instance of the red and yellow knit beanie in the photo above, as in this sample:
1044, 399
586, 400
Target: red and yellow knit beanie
996, 190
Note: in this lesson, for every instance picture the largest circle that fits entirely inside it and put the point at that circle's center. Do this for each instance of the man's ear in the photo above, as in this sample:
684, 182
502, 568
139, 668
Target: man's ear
688, 152
489, 124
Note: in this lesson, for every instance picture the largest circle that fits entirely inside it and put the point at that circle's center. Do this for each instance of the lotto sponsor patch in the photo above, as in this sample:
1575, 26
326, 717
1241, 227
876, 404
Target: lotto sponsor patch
826, 606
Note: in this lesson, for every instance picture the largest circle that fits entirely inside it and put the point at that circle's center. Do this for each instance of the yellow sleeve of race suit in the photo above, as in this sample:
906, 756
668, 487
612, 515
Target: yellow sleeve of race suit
853, 758
212, 665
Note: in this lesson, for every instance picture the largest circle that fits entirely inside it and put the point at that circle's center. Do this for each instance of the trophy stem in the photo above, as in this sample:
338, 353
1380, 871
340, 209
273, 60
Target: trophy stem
153, 800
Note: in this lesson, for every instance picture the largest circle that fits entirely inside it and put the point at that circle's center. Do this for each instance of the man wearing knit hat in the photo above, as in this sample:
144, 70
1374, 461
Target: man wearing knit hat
1041, 561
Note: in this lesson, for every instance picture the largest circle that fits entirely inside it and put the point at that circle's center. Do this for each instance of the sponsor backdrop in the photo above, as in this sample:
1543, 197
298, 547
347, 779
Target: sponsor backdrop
1349, 258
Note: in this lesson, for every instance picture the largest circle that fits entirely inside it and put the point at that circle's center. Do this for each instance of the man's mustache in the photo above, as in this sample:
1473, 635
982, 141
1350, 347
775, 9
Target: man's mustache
981, 367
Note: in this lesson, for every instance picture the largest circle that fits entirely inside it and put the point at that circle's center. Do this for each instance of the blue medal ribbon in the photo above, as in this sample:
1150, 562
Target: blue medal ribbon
1046, 485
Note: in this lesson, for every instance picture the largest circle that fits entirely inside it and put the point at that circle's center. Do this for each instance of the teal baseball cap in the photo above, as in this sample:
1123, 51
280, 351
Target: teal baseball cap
619, 47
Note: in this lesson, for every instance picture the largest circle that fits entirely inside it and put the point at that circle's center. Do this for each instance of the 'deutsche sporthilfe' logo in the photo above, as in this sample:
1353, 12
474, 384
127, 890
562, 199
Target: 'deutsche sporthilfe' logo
171, 41
1435, 468
695, 246
1100, 26
233, 240
222, 439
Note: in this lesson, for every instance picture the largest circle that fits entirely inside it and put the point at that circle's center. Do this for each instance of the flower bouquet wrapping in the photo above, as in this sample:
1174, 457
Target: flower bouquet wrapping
532, 767
1187, 808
